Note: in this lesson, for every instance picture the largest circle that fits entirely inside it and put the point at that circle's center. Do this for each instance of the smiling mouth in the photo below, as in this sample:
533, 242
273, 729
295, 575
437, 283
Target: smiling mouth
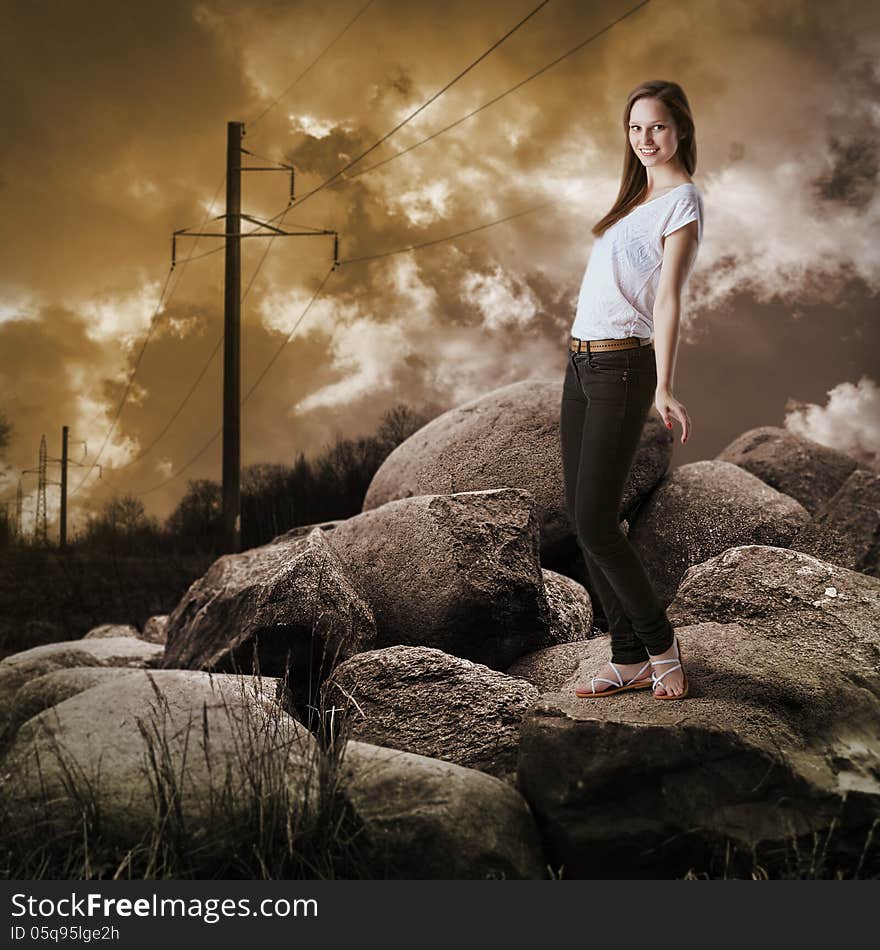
648, 151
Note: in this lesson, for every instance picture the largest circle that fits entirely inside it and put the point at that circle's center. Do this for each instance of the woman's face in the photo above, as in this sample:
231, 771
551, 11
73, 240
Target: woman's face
652, 132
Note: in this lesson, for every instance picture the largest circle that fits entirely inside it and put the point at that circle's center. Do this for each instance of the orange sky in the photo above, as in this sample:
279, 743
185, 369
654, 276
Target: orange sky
116, 125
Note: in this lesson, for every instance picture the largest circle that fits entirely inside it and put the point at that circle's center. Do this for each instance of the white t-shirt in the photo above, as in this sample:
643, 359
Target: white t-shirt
620, 283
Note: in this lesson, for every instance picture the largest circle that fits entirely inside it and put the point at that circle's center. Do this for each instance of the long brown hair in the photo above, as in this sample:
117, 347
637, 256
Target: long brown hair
635, 177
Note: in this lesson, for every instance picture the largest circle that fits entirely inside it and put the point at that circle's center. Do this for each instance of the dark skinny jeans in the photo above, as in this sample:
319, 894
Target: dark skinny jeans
606, 398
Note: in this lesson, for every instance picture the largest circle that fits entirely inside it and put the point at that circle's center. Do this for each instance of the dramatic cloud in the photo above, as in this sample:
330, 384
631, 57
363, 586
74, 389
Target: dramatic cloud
116, 129
849, 421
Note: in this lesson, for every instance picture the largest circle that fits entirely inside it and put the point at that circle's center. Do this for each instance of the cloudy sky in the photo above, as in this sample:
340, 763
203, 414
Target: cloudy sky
115, 119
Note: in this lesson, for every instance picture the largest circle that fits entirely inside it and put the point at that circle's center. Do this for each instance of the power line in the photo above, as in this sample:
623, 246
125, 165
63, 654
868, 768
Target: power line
450, 237
177, 474
177, 411
311, 64
422, 107
277, 353
127, 386
492, 101
175, 286
216, 435
150, 329
197, 257
152, 326
452, 125
192, 388
353, 260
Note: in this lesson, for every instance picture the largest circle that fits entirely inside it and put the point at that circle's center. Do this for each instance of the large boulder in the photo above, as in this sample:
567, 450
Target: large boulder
846, 529
699, 510
53, 688
19, 668
792, 464
776, 747
423, 819
422, 700
460, 573
155, 758
290, 602
507, 438
758, 584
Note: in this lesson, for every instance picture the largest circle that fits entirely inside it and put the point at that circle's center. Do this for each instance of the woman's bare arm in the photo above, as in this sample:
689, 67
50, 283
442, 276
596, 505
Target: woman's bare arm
679, 251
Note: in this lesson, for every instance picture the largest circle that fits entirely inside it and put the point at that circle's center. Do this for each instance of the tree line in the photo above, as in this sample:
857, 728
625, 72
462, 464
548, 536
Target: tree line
274, 497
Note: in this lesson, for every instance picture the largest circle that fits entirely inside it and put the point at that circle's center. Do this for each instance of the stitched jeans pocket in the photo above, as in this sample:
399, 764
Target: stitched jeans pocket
611, 365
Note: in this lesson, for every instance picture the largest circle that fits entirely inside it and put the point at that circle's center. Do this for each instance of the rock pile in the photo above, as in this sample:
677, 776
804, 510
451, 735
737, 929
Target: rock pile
415, 664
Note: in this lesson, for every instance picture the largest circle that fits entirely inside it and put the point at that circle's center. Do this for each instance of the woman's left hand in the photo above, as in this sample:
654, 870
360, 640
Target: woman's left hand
669, 407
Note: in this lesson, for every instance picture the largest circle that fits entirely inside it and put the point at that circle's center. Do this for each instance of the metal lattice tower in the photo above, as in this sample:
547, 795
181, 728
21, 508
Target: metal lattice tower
41, 532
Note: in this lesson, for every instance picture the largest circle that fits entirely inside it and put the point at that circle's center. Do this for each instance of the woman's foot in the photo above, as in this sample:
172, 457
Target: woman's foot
673, 681
629, 673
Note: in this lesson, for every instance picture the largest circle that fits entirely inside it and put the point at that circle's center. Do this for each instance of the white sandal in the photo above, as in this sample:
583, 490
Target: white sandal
655, 679
619, 685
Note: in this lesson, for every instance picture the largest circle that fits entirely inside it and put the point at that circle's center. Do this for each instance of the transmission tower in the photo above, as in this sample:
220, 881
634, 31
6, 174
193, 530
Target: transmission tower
41, 533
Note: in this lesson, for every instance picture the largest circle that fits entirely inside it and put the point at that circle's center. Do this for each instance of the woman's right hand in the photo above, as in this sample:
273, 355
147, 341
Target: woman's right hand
670, 408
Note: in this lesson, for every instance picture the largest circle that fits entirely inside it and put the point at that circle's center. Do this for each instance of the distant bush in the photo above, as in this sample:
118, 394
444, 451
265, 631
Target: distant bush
277, 497
122, 527
196, 524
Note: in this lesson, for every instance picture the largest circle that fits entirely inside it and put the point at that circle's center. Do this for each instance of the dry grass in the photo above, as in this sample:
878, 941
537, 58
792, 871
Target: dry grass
254, 828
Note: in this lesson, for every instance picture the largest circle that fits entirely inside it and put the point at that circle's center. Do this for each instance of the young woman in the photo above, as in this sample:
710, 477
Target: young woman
621, 360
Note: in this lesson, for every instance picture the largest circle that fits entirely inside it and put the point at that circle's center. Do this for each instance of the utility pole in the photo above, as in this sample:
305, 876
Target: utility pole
232, 345
41, 532
62, 538
232, 316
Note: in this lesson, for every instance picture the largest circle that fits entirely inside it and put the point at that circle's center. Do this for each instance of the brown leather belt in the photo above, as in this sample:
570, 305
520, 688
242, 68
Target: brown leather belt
586, 346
